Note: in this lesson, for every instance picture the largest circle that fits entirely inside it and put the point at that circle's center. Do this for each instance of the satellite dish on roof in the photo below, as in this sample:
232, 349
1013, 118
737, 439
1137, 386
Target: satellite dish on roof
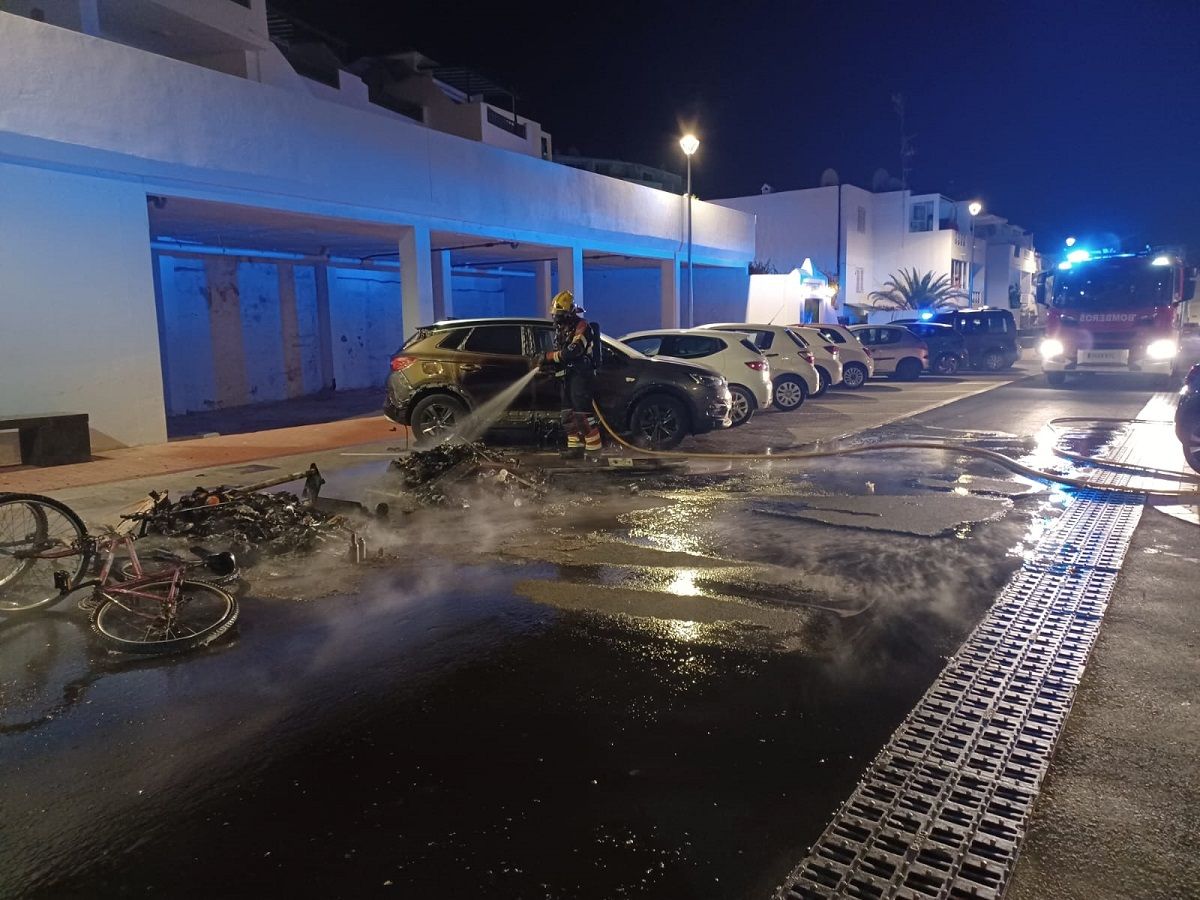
829, 178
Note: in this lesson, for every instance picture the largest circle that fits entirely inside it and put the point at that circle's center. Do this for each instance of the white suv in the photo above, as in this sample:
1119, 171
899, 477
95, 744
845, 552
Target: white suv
857, 363
732, 354
794, 376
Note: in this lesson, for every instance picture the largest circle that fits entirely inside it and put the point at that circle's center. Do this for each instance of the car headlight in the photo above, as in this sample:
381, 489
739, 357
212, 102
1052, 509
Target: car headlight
709, 380
1163, 348
1050, 348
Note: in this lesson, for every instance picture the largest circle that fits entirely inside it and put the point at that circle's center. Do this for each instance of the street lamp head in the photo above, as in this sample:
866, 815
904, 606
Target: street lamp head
690, 144
1070, 242
975, 207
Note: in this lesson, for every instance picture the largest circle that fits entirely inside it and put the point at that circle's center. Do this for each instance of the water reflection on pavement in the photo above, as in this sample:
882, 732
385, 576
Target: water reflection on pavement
662, 692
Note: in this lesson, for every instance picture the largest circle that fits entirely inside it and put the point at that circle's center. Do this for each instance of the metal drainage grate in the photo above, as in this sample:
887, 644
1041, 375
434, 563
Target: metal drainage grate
941, 810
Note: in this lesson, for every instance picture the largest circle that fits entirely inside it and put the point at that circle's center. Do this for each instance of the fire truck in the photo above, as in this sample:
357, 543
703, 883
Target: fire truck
1112, 313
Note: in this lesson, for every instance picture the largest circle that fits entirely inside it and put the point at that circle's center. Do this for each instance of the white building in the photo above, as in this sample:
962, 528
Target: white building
1011, 267
186, 222
861, 238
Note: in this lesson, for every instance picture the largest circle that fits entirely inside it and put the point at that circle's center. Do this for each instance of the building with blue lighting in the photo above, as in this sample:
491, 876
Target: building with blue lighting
198, 213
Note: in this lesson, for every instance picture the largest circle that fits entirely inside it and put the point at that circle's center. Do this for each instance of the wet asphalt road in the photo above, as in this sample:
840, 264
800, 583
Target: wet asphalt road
483, 725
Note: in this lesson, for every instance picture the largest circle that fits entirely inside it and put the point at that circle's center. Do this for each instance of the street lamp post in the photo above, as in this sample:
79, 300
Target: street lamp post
689, 143
974, 208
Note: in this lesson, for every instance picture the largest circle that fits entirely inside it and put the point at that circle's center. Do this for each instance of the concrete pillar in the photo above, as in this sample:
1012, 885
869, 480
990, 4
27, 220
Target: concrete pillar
89, 17
443, 288
570, 271
543, 286
289, 332
225, 320
416, 278
669, 291
324, 328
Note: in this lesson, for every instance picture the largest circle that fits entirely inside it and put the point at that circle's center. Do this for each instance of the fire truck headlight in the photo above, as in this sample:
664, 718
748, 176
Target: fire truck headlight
1051, 348
1164, 348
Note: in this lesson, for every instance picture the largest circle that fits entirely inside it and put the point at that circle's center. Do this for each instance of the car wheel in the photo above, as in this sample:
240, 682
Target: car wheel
789, 393
823, 382
946, 364
742, 407
1056, 379
908, 369
436, 417
854, 376
658, 422
993, 361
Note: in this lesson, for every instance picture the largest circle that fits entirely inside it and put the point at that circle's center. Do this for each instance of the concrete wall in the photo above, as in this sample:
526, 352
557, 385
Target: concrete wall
73, 100
77, 313
237, 331
623, 300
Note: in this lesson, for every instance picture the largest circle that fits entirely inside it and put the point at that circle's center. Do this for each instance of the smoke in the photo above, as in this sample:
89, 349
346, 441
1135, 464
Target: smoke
483, 417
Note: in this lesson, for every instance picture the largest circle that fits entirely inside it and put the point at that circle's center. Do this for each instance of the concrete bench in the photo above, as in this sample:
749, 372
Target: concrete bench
50, 439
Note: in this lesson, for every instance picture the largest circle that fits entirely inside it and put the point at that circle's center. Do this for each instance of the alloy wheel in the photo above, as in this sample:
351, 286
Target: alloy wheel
788, 394
657, 424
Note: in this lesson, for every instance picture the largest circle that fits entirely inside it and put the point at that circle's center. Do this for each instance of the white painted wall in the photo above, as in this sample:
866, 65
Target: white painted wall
77, 320
73, 100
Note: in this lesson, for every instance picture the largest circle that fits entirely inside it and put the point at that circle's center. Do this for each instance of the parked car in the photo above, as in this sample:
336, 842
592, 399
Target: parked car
947, 348
990, 335
857, 364
731, 353
828, 354
446, 370
1187, 417
793, 367
896, 350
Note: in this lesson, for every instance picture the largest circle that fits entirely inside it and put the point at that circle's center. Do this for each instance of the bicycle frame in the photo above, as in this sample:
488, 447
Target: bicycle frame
115, 590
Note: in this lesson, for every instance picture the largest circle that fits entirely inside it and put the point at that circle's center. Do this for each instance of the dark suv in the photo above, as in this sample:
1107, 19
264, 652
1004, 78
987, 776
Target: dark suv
990, 334
447, 369
947, 348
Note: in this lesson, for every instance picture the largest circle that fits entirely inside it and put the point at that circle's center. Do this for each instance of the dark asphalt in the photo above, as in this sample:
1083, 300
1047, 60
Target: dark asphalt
438, 734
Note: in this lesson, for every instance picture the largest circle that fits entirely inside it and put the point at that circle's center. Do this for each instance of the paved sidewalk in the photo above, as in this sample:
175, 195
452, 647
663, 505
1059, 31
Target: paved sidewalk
182, 456
1120, 808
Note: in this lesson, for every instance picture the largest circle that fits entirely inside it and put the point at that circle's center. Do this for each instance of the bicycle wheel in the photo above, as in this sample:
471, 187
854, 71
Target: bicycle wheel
32, 525
148, 622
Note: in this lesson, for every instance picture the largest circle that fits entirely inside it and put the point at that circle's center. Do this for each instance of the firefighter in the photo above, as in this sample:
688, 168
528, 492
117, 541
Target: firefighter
574, 361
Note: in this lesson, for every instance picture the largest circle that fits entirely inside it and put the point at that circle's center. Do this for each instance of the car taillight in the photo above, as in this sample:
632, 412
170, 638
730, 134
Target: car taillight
400, 363
757, 364
832, 351
809, 358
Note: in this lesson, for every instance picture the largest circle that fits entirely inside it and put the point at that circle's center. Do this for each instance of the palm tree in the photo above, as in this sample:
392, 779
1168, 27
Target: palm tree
910, 290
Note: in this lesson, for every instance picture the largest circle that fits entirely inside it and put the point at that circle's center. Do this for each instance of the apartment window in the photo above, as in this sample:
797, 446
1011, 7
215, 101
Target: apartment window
858, 279
504, 123
545, 148
921, 217
862, 220
958, 273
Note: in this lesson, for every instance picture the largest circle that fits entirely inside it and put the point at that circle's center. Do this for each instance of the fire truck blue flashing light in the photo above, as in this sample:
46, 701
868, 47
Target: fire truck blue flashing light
1161, 261
1078, 256
1064, 265
926, 316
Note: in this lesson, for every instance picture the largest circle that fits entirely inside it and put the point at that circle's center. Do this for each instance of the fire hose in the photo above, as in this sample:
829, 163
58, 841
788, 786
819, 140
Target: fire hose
1000, 459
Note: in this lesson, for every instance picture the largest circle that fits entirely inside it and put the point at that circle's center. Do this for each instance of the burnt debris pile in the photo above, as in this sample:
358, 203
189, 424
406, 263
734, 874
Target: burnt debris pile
250, 523
450, 473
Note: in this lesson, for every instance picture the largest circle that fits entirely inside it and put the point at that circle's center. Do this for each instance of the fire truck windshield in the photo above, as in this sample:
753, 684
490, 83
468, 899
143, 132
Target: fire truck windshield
1114, 284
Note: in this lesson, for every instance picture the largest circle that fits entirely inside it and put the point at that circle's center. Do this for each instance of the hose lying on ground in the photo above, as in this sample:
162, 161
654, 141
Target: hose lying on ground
980, 452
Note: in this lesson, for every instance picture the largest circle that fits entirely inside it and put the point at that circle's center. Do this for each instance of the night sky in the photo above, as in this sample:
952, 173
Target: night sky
1066, 118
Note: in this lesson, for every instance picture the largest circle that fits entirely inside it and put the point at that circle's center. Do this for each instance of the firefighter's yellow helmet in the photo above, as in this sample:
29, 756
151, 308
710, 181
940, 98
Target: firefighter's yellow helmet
563, 302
